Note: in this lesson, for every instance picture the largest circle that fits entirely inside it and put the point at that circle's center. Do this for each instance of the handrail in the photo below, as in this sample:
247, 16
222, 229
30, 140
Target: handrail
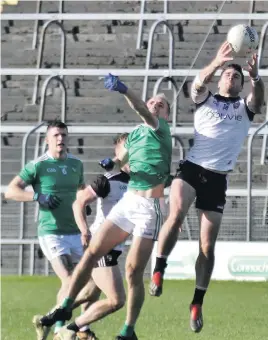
98, 129
140, 28
149, 53
251, 9
132, 16
41, 52
262, 42
260, 51
104, 71
43, 105
36, 213
22, 204
264, 140
265, 208
165, 3
249, 179
196, 56
229, 192
174, 101
36, 23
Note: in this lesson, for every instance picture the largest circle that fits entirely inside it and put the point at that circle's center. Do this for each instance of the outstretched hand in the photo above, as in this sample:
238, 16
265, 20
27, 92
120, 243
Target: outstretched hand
113, 83
224, 54
252, 67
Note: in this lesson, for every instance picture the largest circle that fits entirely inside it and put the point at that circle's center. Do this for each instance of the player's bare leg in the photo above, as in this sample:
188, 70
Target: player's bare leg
109, 281
63, 267
210, 222
137, 259
105, 239
181, 197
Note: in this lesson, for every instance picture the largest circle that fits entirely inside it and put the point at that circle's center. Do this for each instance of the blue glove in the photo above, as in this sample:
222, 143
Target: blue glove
47, 201
113, 83
107, 164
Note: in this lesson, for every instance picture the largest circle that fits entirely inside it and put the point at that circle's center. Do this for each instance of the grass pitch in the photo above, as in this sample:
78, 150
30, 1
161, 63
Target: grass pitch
232, 311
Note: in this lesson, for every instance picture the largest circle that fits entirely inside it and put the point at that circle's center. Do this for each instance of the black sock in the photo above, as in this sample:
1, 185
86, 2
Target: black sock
160, 265
73, 327
198, 296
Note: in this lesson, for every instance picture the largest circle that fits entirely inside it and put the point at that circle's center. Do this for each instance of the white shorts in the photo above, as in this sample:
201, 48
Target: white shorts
56, 245
137, 215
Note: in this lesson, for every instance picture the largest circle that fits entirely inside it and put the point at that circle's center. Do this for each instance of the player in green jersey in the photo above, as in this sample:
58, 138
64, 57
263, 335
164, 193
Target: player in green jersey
148, 150
55, 178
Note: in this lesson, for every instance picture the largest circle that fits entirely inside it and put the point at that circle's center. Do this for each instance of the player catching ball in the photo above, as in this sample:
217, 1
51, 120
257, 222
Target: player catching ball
221, 123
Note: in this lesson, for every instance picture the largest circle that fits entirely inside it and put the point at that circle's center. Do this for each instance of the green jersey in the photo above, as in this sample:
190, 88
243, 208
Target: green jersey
149, 153
59, 177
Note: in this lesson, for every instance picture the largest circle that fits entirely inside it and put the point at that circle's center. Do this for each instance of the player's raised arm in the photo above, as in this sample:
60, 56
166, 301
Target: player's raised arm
199, 90
113, 83
255, 99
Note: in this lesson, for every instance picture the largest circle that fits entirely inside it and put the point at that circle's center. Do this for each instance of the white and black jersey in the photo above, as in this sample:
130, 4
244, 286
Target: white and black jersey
109, 189
221, 125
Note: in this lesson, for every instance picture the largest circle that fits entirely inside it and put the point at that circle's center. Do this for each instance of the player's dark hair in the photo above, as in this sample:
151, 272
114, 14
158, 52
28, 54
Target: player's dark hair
120, 137
238, 68
56, 123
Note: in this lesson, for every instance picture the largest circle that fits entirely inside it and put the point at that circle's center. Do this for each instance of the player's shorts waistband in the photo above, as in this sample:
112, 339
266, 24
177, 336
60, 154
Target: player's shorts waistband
200, 168
130, 194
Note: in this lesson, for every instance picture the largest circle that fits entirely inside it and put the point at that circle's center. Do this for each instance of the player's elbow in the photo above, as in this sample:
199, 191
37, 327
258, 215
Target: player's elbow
9, 193
78, 206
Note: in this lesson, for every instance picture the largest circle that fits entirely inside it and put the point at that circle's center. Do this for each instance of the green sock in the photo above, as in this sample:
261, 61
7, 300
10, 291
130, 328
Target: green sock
127, 330
67, 303
58, 325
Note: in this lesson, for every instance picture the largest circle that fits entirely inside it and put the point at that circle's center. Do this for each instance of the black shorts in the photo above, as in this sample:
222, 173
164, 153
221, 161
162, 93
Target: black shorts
109, 260
210, 187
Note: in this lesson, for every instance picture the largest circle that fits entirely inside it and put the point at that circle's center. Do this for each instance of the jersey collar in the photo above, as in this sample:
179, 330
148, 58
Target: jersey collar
226, 99
51, 157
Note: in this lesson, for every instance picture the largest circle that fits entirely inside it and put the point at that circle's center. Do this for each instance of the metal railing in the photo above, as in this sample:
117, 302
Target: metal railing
149, 53
141, 21
36, 22
22, 204
260, 52
132, 16
43, 105
251, 10
175, 97
41, 53
249, 179
104, 71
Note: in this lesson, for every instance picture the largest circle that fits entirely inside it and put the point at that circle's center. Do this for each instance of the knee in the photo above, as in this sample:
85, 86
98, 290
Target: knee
175, 219
133, 275
207, 249
93, 253
118, 302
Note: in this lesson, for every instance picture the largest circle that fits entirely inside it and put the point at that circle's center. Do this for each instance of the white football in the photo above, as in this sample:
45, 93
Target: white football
244, 40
